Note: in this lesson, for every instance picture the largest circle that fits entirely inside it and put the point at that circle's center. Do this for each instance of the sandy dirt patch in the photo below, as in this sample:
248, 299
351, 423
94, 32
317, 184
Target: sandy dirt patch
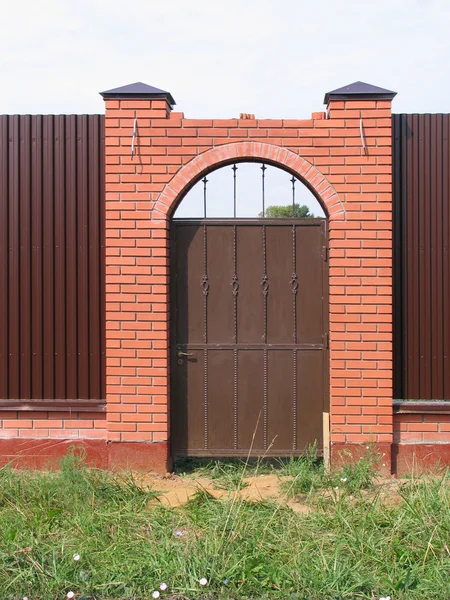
176, 491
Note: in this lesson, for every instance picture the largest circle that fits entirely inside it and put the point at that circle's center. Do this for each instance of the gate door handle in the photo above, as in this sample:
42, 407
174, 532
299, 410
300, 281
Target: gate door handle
181, 354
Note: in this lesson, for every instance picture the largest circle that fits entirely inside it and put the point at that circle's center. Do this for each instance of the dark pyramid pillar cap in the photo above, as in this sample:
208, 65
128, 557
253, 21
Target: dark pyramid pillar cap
138, 90
359, 91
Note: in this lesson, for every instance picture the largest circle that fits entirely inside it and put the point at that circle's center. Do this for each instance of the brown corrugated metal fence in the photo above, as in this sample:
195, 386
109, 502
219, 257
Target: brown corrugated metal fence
52, 335
421, 151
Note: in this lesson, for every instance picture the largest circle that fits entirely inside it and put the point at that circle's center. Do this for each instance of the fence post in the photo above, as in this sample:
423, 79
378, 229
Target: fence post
361, 318
137, 386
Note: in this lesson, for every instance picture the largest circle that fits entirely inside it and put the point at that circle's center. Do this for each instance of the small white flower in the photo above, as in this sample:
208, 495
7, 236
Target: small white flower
336, 488
178, 533
226, 581
343, 479
70, 594
384, 464
163, 587
155, 594
76, 557
385, 598
25, 598
203, 581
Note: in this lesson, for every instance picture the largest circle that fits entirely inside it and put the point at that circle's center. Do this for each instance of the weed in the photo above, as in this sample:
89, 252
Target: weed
309, 473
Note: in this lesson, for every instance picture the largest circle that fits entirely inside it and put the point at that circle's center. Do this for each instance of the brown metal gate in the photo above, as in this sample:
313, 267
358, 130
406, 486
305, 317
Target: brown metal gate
249, 336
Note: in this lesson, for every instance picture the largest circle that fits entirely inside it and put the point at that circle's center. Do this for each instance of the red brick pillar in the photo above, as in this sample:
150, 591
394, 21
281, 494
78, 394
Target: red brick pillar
361, 263
137, 386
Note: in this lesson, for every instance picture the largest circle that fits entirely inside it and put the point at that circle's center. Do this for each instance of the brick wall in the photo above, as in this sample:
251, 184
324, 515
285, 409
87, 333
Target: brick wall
354, 187
361, 281
421, 436
421, 428
46, 424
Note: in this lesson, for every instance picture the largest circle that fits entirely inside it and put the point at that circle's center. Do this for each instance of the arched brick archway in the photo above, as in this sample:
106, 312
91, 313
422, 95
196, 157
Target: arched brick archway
307, 408
352, 178
280, 157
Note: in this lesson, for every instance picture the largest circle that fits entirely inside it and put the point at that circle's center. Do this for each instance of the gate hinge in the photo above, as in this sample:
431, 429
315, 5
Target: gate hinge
326, 340
325, 253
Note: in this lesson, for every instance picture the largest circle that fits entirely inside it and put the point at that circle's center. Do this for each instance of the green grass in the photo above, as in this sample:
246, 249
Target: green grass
309, 474
349, 546
226, 474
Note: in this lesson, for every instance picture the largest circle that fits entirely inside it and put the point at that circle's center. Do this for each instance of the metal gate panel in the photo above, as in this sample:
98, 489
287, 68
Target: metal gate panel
219, 422
250, 307
250, 385
219, 243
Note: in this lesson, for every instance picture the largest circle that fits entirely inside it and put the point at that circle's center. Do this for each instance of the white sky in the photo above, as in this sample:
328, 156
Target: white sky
219, 58
222, 57
220, 193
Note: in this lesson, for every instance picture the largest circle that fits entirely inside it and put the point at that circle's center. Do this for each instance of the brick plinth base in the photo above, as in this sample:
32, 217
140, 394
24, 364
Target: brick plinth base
341, 453
417, 458
38, 454
154, 457
397, 458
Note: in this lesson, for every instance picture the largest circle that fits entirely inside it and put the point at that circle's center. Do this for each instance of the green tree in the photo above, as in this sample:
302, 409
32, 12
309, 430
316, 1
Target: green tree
285, 212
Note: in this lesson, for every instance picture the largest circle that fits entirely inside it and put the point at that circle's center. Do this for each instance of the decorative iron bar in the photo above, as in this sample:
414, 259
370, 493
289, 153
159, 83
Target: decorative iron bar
293, 180
263, 178
205, 398
265, 290
235, 283
294, 401
265, 402
294, 284
205, 283
265, 282
234, 167
235, 400
205, 181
